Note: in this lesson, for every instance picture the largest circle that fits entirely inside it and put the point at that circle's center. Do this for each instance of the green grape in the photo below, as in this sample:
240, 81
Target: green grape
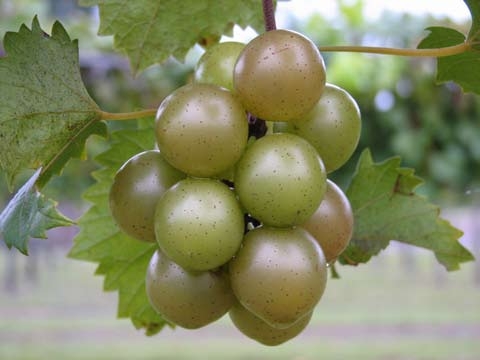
257, 329
279, 274
187, 299
201, 129
332, 222
199, 224
135, 191
280, 180
216, 65
279, 76
332, 127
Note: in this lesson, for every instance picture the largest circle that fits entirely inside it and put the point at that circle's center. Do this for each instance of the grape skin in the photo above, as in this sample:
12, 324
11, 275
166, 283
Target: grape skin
279, 274
280, 180
216, 65
258, 330
188, 299
279, 76
199, 224
332, 223
333, 127
201, 129
136, 189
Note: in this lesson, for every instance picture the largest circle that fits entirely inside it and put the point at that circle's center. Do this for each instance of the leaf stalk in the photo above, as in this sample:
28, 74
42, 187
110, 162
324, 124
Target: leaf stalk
127, 115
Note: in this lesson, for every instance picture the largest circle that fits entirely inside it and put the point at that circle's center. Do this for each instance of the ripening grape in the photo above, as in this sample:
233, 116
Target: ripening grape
280, 180
201, 129
216, 65
257, 329
279, 76
135, 191
199, 224
332, 127
279, 274
332, 223
187, 299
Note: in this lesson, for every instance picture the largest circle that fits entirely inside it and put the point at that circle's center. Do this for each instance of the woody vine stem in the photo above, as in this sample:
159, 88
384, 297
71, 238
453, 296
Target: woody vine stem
269, 15
270, 24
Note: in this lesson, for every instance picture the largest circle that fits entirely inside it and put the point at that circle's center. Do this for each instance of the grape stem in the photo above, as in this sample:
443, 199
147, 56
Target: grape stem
333, 271
436, 52
127, 115
269, 15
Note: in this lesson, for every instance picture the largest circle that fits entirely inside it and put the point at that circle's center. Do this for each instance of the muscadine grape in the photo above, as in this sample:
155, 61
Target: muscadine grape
279, 76
215, 66
280, 180
333, 126
199, 224
279, 274
187, 299
136, 189
332, 223
257, 329
201, 129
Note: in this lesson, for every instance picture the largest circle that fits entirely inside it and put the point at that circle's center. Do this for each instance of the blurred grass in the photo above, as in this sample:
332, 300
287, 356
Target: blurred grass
401, 305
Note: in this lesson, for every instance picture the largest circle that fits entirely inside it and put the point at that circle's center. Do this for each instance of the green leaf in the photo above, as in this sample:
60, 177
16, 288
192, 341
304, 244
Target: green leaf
121, 260
386, 208
46, 113
29, 214
151, 31
474, 8
464, 68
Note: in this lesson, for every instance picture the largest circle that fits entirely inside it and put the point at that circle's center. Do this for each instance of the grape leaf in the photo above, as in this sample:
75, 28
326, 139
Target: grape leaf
46, 113
463, 68
121, 260
151, 31
386, 208
28, 215
474, 8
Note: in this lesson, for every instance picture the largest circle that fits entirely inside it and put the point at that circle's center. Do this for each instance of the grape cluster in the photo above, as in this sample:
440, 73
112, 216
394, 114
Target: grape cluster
244, 224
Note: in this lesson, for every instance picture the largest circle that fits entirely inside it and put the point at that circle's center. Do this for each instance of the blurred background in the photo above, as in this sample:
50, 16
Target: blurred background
401, 305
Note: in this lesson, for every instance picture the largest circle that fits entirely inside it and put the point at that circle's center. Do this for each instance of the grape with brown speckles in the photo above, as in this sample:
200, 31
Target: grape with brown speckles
279, 274
187, 299
216, 65
279, 76
199, 224
257, 329
136, 189
280, 180
201, 129
332, 222
333, 127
